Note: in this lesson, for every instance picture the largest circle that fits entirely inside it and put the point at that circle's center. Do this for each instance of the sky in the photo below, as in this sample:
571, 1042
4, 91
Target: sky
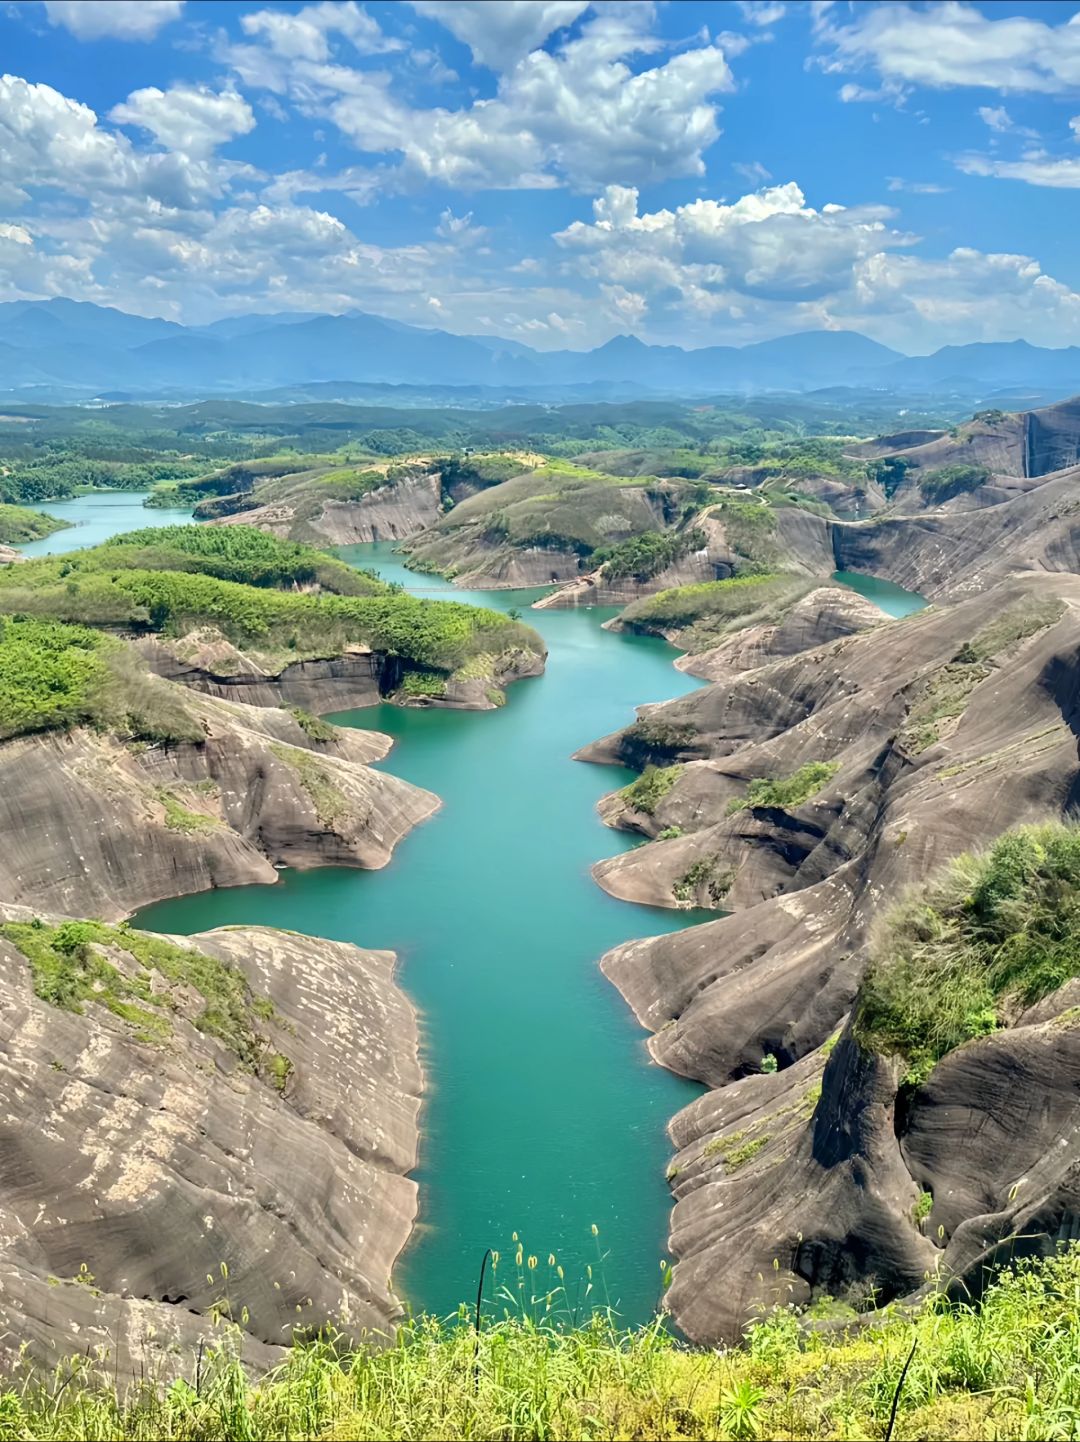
553, 171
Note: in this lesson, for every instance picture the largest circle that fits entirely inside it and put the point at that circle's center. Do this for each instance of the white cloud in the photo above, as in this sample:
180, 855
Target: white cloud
501, 32
193, 120
762, 12
113, 19
996, 117
54, 143
1036, 168
769, 244
581, 117
917, 187
306, 34
953, 44
752, 170
967, 296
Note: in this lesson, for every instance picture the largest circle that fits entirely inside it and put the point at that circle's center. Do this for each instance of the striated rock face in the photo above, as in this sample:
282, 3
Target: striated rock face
944, 729
205, 661
152, 1165
390, 513
596, 589
804, 1184
825, 614
94, 826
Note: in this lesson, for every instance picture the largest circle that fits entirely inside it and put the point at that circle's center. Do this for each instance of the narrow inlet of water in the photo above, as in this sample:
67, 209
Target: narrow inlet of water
543, 1114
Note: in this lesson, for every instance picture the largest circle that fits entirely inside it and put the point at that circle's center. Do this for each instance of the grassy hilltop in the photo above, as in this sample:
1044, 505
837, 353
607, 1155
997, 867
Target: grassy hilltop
1007, 1370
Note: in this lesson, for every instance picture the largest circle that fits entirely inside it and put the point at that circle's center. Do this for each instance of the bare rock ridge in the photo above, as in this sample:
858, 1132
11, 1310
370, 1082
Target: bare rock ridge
388, 513
94, 825
804, 794
206, 661
154, 1162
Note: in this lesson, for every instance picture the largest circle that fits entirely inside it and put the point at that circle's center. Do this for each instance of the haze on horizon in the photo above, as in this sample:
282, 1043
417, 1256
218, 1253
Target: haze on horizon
551, 171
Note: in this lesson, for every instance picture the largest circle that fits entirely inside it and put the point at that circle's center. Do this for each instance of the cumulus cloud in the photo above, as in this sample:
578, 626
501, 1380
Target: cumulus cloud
768, 245
501, 32
187, 118
954, 44
51, 142
113, 19
580, 117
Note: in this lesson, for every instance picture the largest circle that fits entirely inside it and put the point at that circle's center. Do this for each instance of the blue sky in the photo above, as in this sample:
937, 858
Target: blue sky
552, 170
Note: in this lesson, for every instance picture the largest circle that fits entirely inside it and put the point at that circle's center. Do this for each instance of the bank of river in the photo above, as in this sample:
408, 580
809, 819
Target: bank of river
543, 1114
93, 518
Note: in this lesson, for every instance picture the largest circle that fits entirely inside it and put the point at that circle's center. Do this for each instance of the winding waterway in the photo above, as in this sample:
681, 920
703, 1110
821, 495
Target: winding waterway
543, 1114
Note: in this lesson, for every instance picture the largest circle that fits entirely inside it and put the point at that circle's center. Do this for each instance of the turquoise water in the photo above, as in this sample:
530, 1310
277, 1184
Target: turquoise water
543, 1112
94, 518
892, 599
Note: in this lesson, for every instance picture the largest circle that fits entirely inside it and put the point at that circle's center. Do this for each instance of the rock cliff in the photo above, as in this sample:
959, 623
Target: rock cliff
96, 825
156, 1164
805, 795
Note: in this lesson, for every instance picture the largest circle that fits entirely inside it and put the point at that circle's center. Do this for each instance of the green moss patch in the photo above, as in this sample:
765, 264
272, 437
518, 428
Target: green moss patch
145, 981
654, 783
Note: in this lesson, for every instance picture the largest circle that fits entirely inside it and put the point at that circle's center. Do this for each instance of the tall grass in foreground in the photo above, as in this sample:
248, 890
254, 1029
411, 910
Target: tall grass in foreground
1010, 1369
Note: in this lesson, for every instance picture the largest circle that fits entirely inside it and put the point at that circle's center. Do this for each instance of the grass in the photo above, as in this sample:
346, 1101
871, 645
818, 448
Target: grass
145, 980
943, 696
654, 783
331, 805
785, 792
700, 615
1004, 1370
178, 817
965, 953
312, 726
19, 524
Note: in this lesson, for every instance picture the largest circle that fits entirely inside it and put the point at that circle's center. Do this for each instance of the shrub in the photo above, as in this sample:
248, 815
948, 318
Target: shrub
949, 481
960, 956
654, 783
787, 791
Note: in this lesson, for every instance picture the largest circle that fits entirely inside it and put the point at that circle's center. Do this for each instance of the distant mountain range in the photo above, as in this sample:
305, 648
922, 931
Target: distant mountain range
77, 349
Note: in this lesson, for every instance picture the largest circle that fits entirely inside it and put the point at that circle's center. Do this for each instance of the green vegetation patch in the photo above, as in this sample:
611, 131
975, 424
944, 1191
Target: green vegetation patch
645, 556
654, 783
51, 676
312, 726
990, 935
944, 695
97, 587
331, 805
750, 528
948, 481
1004, 1369
18, 524
179, 817
701, 615
231, 553
785, 792
143, 980
706, 871
422, 684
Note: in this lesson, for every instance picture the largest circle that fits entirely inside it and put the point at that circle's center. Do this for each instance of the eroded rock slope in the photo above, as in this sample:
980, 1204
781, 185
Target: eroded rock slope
228, 1117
